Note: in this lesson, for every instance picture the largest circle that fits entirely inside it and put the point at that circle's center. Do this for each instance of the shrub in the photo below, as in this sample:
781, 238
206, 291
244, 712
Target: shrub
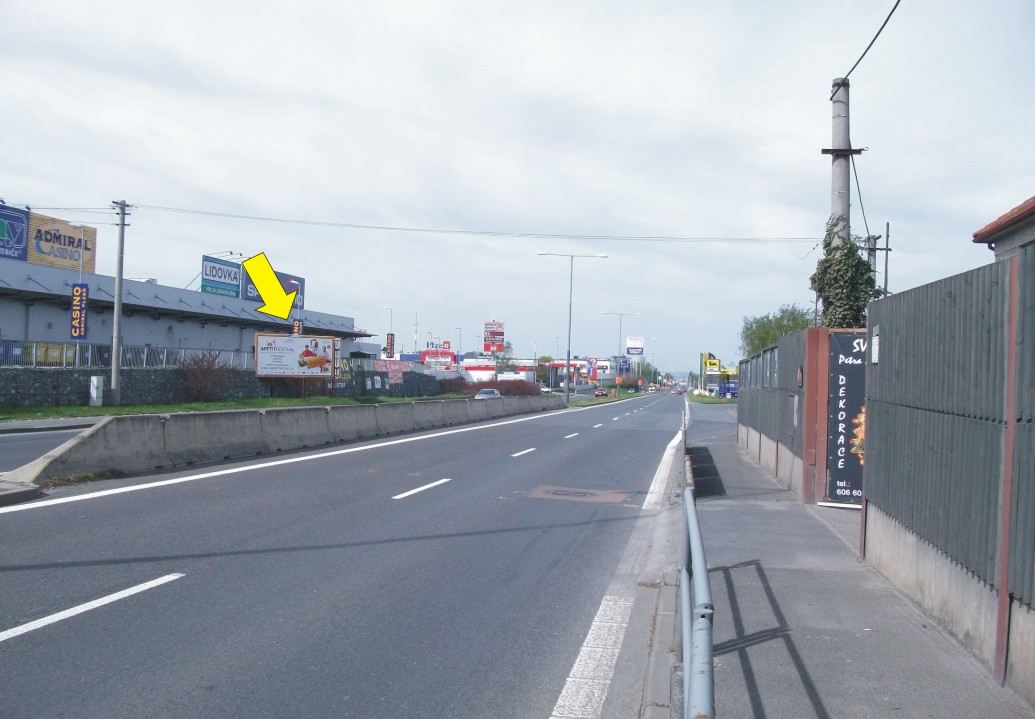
203, 376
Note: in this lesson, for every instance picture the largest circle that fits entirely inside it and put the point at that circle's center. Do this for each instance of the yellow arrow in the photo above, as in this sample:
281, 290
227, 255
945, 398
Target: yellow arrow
276, 302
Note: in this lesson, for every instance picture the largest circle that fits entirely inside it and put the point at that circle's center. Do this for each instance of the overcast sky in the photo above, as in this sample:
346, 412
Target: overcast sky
683, 120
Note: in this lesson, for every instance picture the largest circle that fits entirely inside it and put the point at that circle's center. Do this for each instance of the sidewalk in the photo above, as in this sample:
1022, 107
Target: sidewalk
803, 628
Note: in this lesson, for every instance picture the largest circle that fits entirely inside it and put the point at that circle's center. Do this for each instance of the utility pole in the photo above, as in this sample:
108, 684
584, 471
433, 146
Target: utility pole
841, 152
116, 326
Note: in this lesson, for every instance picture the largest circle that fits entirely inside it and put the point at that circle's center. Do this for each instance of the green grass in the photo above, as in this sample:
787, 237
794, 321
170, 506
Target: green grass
709, 400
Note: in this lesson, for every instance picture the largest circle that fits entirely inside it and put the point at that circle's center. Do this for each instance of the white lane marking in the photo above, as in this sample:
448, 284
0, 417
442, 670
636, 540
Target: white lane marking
615, 419
598, 425
656, 493
587, 685
573, 434
39, 623
263, 465
421, 489
524, 451
291, 460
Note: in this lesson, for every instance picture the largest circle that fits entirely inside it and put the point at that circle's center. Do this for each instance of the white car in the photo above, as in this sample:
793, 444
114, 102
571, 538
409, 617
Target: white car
487, 394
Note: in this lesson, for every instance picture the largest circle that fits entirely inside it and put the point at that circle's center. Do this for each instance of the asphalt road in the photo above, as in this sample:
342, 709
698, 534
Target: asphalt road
445, 574
20, 448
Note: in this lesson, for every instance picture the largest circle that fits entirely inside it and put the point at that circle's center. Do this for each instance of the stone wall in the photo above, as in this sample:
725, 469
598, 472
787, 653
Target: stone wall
33, 386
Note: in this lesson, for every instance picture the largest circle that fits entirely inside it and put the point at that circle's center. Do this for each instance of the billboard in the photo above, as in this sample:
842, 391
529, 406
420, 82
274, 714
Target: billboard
57, 243
14, 233
493, 339
634, 345
220, 277
293, 356
80, 303
290, 283
846, 420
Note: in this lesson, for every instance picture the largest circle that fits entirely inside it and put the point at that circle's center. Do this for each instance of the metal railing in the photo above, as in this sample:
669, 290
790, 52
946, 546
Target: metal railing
19, 353
698, 682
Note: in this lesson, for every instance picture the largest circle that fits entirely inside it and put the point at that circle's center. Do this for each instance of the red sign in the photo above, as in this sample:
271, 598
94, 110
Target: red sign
493, 338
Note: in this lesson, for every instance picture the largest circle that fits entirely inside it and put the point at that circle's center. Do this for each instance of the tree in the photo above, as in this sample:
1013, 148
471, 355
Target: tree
843, 280
760, 332
542, 372
505, 360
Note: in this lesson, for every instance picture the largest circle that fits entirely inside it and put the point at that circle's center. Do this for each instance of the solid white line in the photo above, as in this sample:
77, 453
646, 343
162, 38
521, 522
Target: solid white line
524, 451
39, 623
587, 685
656, 493
421, 489
597, 425
573, 434
262, 465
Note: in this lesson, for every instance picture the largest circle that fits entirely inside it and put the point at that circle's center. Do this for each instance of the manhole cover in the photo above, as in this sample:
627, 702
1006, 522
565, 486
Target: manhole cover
576, 494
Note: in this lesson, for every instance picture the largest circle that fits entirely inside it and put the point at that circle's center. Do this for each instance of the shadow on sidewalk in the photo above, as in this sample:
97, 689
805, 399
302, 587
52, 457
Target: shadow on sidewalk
707, 480
744, 641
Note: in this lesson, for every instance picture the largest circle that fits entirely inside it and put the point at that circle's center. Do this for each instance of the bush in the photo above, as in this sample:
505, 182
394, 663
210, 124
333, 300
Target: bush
203, 377
507, 388
454, 385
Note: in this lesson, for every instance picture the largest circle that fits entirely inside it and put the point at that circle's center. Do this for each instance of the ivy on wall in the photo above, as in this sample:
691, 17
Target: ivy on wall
843, 280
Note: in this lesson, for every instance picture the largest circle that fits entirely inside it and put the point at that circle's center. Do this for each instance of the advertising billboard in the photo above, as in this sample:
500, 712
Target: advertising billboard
634, 345
293, 356
290, 283
78, 311
57, 243
14, 233
493, 339
846, 421
220, 277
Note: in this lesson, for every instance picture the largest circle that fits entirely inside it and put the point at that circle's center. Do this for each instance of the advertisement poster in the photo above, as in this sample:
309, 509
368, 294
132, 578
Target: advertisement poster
290, 283
846, 421
293, 356
634, 345
220, 277
493, 338
57, 243
14, 233
80, 300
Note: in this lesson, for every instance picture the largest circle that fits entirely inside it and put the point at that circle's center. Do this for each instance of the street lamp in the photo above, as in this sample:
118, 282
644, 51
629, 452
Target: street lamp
571, 282
296, 302
620, 316
459, 344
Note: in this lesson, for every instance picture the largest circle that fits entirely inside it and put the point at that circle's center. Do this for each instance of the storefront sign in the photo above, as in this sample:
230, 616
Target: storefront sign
846, 421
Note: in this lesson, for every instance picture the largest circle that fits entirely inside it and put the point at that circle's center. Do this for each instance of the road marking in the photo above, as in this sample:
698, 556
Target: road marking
656, 493
421, 489
275, 463
524, 451
573, 434
598, 425
587, 684
40, 623
615, 419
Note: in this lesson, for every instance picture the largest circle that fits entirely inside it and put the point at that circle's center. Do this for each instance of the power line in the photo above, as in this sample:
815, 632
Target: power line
871, 44
480, 233
859, 192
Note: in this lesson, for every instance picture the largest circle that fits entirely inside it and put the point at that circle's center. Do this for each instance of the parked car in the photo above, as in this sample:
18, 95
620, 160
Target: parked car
487, 394
600, 393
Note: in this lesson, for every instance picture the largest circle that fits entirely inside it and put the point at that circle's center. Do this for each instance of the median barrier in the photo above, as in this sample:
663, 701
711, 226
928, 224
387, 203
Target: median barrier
291, 428
137, 444
477, 409
348, 422
123, 445
455, 412
393, 418
197, 437
428, 414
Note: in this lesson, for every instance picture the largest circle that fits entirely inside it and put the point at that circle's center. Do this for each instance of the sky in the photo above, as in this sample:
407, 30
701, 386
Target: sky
482, 133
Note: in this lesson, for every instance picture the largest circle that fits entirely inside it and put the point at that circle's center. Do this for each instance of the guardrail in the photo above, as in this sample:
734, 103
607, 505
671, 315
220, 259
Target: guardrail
698, 680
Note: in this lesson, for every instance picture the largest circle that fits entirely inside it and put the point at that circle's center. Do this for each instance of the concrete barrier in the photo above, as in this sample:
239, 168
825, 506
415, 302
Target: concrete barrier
394, 418
428, 414
198, 437
351, 422
136, 444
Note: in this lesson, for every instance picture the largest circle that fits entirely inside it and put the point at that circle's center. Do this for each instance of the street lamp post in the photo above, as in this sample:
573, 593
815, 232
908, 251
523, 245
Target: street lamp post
620, 316
571, 282
459, 344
